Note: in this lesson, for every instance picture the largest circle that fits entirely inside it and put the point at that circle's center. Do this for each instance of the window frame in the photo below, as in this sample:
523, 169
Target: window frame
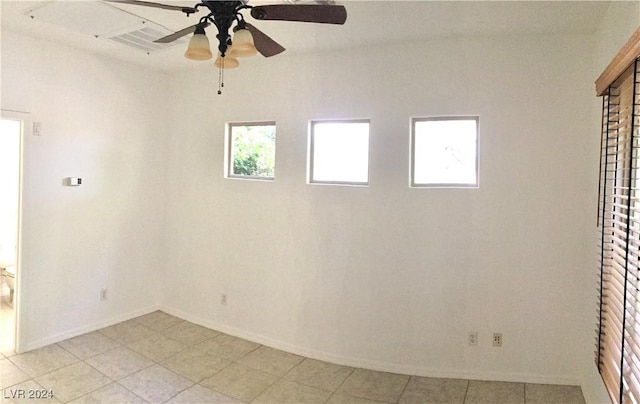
311, 152
229, 150
412, 156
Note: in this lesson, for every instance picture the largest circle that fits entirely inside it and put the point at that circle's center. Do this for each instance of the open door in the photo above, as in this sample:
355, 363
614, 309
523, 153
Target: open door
13, 126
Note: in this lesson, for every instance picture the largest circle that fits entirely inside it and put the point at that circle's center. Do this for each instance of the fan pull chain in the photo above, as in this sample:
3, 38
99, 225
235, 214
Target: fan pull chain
221, 76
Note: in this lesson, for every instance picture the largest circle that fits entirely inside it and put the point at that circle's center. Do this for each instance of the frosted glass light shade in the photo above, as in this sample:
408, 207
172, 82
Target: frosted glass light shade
230, 62
199, 48
243, 44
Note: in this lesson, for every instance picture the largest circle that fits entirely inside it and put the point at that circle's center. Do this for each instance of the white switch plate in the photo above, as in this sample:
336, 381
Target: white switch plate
37, 128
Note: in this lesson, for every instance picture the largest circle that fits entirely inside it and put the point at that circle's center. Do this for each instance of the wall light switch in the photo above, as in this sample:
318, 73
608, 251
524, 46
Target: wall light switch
37, 128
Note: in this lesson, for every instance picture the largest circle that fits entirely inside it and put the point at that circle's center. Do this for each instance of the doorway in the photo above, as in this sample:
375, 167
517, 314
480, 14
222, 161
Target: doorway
12, 126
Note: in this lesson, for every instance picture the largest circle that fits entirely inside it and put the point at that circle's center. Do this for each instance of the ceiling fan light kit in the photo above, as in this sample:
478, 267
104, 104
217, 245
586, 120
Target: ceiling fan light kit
247, 39
199, 48
242, 45
227, 62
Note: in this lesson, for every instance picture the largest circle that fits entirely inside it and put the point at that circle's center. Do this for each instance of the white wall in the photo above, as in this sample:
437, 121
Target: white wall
386, 276
618, 24
104, 121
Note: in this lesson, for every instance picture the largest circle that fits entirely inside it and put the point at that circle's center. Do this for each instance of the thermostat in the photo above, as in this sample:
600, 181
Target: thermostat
74, 181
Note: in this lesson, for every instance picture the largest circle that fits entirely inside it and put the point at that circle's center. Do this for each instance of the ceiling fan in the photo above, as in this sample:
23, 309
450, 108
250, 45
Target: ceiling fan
224, 14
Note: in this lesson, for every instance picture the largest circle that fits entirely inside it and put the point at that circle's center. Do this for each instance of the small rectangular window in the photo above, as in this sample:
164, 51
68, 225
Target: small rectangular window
251, 151
444, 152
339, 152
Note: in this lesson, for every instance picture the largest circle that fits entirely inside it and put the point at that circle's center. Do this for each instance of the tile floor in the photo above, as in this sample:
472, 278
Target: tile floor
158, 358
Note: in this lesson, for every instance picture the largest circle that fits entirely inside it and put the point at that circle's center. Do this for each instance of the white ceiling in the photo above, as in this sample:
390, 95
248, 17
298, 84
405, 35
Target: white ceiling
368, 23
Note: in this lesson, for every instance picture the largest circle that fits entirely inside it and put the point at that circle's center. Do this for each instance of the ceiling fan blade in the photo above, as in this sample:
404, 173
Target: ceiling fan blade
264, 43
179, 34
320, 13
188, 10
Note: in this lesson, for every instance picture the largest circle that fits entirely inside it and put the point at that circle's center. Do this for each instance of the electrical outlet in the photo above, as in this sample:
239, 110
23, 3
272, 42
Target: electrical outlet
497, 339
223, 299
103, 295
473, 338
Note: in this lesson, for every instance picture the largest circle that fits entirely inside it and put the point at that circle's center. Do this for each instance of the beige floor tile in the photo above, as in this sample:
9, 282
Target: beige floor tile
8, 353
156, 384
271, 360
111, 393
374, 385
43, 360
202, 395
10, 374
88, 345
323, 375
240, 382
189, 333
157, 347
119, 363
345, 399
227, 346
288, 392
494, 392
73, 381
194, 364
19, 394
189, 353
433, 390
551, 394
158, 320
127, 332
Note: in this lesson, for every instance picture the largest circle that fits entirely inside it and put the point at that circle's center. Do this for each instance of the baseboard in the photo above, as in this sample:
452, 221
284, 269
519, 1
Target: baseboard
593, 388
26, 346
310, 353
375, 365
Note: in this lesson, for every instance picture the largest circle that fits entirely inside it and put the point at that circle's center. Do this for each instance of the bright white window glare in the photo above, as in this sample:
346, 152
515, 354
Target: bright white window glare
445, 152
340, 152
10, 132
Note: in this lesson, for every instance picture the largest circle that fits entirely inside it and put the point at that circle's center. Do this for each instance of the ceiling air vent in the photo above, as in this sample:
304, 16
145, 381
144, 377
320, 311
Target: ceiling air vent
142, 37
102, 20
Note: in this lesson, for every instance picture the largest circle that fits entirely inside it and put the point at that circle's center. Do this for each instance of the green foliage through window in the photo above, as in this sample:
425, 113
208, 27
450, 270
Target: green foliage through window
253, 150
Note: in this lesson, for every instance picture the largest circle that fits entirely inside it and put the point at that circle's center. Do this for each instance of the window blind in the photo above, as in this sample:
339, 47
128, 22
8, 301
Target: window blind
618, 342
